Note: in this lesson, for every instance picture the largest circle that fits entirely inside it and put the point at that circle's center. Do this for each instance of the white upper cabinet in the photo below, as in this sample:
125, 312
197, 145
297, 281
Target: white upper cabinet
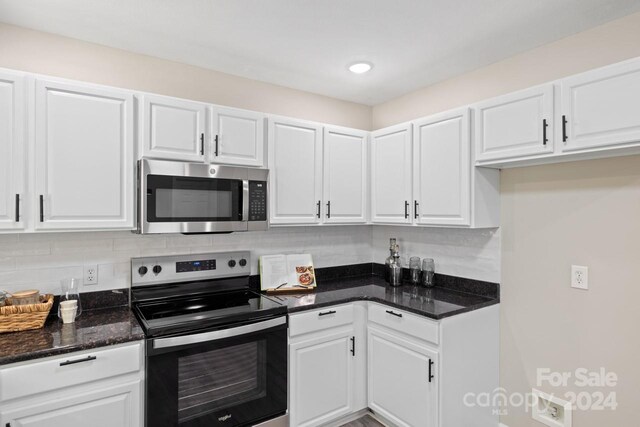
84, 155
515, 125
601, 107
12, 150
295, 172
442, 168
391, 175
173, 129
238, 136
345, 175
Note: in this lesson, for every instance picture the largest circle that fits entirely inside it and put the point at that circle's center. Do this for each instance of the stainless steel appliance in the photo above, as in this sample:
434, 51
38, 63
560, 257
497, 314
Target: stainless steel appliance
216, 350
178, 197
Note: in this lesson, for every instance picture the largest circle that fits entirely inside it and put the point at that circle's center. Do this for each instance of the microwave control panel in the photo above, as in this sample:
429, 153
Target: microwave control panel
257, 201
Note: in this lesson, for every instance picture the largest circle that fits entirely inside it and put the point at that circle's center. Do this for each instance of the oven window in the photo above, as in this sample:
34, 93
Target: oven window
183, 199
221, 378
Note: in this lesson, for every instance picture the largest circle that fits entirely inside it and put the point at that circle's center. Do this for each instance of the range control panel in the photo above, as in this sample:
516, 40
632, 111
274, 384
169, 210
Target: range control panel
198, 265
183, 268
257, 200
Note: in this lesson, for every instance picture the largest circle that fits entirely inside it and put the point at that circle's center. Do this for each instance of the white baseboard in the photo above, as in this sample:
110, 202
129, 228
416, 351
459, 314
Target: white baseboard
503, 425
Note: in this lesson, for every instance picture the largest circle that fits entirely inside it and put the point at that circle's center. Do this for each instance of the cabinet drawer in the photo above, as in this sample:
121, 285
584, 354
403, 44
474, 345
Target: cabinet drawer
317, 320
68, 370
404, 322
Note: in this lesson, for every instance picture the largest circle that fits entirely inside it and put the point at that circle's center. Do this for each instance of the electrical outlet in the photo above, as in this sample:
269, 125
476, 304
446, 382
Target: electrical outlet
90, 274
550, 410
579, 277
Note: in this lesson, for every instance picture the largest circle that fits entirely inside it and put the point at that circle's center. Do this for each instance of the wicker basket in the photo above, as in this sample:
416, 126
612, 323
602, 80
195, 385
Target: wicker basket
14, 318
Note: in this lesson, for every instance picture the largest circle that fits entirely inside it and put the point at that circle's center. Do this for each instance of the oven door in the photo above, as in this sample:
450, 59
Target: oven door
228, 377
176, 197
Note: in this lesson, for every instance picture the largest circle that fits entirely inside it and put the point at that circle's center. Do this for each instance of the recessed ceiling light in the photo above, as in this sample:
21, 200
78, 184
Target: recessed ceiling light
360, 67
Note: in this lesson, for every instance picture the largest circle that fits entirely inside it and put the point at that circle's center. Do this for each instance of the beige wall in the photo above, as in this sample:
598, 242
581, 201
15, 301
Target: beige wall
609, 43
38, 52
585, 213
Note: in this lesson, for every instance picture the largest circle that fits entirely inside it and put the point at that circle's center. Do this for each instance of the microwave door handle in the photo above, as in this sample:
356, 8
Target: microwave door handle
217, 335
245, 200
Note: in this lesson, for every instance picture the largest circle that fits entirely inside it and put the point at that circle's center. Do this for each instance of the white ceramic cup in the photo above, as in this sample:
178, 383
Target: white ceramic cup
68, 314
68, 304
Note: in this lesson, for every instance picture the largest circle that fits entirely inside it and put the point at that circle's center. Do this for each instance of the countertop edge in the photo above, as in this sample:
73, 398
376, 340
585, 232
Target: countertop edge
42, 354
488, 303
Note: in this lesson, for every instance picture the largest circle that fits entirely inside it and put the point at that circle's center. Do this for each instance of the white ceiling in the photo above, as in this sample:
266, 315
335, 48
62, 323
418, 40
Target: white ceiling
308, 44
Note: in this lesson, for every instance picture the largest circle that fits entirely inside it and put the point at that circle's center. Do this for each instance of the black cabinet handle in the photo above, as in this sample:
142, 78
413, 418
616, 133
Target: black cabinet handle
564, 128
17, 208
202, 143
318, 207
406, 209
41, 208
216, 152
393, 313
544, 132
415, 209
353, 346
430, 366
73, 362
325, 313
329, 209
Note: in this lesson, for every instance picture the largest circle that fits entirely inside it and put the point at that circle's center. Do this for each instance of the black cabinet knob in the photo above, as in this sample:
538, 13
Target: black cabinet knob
242, 262
157, 269
143, 270
232, 263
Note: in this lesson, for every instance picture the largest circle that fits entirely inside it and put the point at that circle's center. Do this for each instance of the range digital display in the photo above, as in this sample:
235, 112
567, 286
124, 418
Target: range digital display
201, 265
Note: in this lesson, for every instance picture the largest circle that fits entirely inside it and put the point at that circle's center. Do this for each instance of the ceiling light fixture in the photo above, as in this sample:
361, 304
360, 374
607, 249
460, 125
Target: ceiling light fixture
360, 67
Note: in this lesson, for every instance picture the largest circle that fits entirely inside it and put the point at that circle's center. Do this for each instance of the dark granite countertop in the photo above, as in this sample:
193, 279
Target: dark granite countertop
94, 328
435, 303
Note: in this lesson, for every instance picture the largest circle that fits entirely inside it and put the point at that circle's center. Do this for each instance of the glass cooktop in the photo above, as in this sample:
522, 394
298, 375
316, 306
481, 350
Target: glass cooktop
190, 313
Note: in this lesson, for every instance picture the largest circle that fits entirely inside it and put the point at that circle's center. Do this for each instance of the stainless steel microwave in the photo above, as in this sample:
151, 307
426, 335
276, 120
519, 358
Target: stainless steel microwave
193, 198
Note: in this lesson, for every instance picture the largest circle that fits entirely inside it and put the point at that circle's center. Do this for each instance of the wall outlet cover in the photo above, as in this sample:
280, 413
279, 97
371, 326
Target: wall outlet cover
580, 277
91, 274
550, 410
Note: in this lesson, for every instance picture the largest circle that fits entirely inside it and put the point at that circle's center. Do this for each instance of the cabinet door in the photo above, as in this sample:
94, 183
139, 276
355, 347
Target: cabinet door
515, 125
601, 107
12, 144
84, 157
442, 169
238, 136
295, 172
391, 175
173, 128
345, 175
322, 378
113, 406
403, 380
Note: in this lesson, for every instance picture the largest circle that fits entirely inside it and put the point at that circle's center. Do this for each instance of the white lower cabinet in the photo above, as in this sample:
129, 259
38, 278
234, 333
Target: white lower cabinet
321, 393
99, 388
106, 407
407, 369
326, 364
403, 385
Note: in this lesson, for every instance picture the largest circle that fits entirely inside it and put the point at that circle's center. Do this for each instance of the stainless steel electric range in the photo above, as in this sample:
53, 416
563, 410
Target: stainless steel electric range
216, 350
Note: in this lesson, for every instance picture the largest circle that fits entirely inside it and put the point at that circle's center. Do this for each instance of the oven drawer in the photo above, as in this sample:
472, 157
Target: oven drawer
317, 320
68, 370
401, 321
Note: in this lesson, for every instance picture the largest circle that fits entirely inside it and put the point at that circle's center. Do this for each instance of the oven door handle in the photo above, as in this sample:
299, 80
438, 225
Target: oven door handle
245, 200
217, 335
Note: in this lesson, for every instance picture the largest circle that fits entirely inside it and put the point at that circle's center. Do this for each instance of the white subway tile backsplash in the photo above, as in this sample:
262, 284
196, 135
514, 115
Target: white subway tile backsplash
41, 260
